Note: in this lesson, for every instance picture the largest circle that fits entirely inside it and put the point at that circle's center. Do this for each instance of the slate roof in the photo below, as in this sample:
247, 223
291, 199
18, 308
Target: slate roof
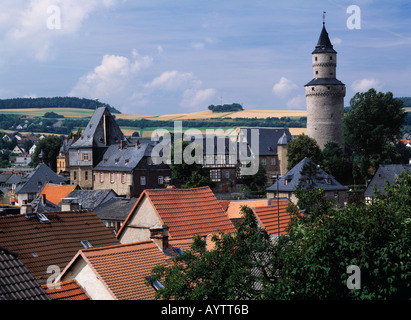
324, 82
324, 44
41, 245
294, 175
186, 212
90, 199
126, 159
124, 268
116, 208
16, 282
68, 290
387, 172
268, 139
93, 135
38, 178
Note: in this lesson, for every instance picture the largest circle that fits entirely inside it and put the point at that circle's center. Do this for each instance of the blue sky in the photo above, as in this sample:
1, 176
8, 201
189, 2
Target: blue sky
177, 56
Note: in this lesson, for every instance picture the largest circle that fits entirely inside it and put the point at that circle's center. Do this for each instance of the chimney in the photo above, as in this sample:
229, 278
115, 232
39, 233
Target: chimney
159, 235
138, 144
122, 144
43, 198
69, 204
27, 210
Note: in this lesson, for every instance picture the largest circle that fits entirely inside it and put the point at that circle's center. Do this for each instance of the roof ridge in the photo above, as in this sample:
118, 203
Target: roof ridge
122, 245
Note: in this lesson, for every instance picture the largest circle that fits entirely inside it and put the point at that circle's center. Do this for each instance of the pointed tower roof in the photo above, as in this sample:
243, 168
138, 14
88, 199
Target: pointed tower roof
324, 44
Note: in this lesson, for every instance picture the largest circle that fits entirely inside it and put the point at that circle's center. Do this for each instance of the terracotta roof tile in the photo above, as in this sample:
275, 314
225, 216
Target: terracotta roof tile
124, 268
68, 290
234, 208
269, 216
187, 211
55, 192
40, 245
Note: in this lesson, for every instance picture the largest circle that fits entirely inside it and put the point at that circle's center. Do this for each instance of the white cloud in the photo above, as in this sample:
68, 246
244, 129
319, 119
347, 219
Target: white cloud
284, 87
336, 41
116, 78
297, 103
171, 81
35, 24
197, 98
365, 84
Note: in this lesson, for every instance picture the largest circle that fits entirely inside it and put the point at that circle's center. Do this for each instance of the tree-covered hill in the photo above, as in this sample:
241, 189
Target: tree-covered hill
55, 102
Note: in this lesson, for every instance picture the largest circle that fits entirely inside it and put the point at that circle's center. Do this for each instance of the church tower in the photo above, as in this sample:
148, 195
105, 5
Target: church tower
325, 95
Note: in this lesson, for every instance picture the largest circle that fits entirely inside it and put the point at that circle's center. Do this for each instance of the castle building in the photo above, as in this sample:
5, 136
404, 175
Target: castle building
325, 95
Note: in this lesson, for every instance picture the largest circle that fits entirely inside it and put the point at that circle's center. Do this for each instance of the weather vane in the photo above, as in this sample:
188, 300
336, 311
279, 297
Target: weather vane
324, 17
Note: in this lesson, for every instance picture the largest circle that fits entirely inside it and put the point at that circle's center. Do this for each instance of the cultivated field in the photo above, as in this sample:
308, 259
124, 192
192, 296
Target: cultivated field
39, 112
208, 114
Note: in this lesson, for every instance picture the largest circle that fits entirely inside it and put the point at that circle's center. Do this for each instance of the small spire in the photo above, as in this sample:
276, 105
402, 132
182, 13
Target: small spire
324, 17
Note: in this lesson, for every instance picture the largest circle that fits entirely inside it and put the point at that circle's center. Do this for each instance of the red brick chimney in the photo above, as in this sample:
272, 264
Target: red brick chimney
159, 236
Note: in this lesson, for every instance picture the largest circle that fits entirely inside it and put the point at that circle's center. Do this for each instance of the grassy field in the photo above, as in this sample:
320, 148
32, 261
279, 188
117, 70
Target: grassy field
39, 112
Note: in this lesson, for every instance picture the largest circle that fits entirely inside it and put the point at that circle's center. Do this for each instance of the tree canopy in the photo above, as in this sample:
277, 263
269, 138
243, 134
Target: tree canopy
300, 147
371, 127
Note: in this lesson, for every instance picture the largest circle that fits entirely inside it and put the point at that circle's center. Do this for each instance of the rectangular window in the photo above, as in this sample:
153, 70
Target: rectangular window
160, 180
112, 177
143, 180
264, 162
273, 161
85, 175
215, 175
227, 174
123, 178
101, 175
74, 175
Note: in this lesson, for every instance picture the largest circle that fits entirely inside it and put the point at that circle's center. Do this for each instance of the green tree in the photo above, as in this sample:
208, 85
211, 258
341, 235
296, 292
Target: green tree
51, 147
256, 181
337, 163
371, 127
301, 147
374, 237
236, 268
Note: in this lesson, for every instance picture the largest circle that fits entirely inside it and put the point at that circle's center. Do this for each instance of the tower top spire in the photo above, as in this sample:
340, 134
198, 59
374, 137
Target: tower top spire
324, 44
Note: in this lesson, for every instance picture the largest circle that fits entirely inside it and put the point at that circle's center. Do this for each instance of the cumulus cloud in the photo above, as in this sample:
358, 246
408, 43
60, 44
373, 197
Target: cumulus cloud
35, 24
365, 84
284, 87
120, 81
115, 78
297, 103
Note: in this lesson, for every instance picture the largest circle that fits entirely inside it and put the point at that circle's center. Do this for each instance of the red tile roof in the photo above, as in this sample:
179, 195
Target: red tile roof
124, 268
269, 216
186, 212
40, 245
68, 290
55, 192
234, 207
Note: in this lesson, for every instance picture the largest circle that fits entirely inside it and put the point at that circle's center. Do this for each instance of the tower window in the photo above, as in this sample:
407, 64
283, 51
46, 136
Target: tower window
316, 59
331, 57
316, 72
312, 88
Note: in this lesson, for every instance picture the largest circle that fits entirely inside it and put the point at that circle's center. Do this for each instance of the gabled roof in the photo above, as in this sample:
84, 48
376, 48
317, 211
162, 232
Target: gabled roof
40, 245
123, 269
274, 218
16, 282
291, 179
386, 172
95, 135
234, 208
68, 290
38, 178
56, 192
324, 44
186, 212
90, 199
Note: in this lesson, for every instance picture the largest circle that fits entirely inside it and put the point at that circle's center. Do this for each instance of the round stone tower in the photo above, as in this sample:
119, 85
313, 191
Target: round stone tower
325, 95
